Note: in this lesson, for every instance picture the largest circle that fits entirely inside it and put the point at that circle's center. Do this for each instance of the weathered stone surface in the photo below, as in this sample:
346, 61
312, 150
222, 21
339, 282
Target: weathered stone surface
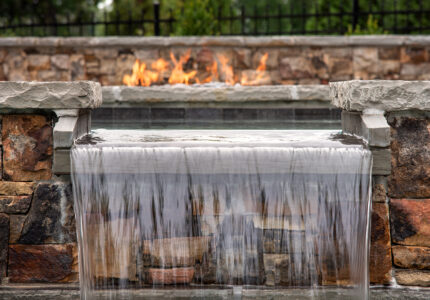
380, 245
8, 188
389, 53
379, 189
51, 95
171, 276
43, 263
413, 55
51, 218
410, 224
27, 147
411, 257
14, 204
410, 157
16, 222
136, 95
385, 95
276, 269
296, 68
365, 62
38, 62
4, 240
413, 277
61, 61
381, 161
176, 252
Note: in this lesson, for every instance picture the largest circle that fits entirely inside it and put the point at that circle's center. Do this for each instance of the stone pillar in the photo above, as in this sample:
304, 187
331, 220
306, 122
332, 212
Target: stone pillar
39, 123
394, 117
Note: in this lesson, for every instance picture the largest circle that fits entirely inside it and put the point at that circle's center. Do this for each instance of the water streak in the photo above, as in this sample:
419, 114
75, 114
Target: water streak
264, 210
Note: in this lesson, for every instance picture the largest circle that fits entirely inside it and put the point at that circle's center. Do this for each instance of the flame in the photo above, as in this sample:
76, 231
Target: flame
145, 76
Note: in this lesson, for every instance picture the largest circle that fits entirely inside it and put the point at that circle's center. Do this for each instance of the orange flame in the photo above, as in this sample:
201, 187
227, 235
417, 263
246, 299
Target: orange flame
142, 75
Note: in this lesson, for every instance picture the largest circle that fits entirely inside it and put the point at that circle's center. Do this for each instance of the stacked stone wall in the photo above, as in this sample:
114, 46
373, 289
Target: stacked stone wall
291, 60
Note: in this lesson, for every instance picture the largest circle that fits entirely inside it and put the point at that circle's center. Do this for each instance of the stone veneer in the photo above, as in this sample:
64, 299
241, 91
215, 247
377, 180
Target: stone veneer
394, 116
292, 60
39, 123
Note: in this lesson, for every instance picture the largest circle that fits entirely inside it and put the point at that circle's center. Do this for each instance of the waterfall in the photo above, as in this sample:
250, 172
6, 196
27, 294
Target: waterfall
178, 208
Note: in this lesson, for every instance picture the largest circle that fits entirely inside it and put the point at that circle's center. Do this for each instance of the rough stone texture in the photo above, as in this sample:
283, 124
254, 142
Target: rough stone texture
410, 157
171, 276
380, 247
413, 277
212, 94
50, 95
411, 257
276, 269
4, 240
379, 189
16, 222
14, 204
51, 218
410, 224
43, 263
27, 147
385, 95
8, 188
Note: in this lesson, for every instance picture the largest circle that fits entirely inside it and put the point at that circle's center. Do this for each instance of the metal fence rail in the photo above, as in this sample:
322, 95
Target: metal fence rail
292, 19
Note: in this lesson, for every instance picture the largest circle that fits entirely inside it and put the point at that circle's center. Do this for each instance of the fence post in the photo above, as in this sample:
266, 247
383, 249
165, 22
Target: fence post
156, 18
355, 13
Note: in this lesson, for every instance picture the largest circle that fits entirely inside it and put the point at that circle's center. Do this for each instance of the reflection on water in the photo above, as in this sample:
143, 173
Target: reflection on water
198, 209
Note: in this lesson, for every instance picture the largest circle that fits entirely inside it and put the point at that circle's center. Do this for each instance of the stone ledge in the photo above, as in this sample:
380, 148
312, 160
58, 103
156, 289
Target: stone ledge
50, 95
232, 41
221, 93
384, 95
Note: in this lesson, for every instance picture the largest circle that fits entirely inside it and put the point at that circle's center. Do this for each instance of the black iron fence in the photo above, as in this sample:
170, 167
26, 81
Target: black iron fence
293, 18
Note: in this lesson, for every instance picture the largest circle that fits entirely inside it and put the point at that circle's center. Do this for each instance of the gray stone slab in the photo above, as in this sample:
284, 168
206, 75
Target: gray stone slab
384, 95
209, 41
381, 161
219, 93
375, 130
61, 163
50, 95
68, 129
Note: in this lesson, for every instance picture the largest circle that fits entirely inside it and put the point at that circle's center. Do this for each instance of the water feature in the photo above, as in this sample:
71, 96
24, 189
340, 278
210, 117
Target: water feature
214, 209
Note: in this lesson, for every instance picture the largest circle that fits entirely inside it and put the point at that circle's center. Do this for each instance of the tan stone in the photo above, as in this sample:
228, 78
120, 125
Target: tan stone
176, 252
43, 263
413, 277
272, 62
276, 269
171, 276
296, 68
242, 58
389, 53
106, 53
27, 147
124, 65
107, 66
77, 67
38, 62
411, 257
15, 66
147, 55
379, 193
413, 55
9, 188
380, 246
410, 222
61, 61
415, 71
365, 62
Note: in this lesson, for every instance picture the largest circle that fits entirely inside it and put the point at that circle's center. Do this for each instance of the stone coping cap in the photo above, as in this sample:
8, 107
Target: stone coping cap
50, 95
215, 93
384, 95
236, 41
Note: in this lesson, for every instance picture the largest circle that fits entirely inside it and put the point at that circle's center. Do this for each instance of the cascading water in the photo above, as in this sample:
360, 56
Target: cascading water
221, 208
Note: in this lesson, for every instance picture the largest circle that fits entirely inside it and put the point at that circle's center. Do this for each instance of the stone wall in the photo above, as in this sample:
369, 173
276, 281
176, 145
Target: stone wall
37, 223
291, 60
394, 117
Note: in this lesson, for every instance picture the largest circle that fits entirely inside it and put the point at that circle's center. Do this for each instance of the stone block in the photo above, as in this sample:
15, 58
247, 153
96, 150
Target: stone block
27, 147
413, 55
272, 62
413, 277
381, 161
375, 129
379, 189
410, 224
176, 252
415, 71
365, 62
410, 150
380, 245
389, 53
38, 62
276, 269
68, 129
62, 163
61, 61
43, 263
14, 204
360, 95
51, 218
77, 67
4, 241
171, 276
408, 257
296, 68
8, 188
16, 224
15, 66
242, 58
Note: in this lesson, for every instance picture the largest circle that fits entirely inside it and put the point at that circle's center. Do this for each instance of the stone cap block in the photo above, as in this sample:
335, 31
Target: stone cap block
50, 95
383, 95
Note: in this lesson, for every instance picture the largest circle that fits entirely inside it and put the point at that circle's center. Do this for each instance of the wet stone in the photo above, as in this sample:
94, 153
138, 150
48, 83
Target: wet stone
413, 277
410, 158
380, 248
8, 188
14, 204
410, 223
4, 240
411, 257
276, 269
27, 147
171, 276
43, 263
51, 218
